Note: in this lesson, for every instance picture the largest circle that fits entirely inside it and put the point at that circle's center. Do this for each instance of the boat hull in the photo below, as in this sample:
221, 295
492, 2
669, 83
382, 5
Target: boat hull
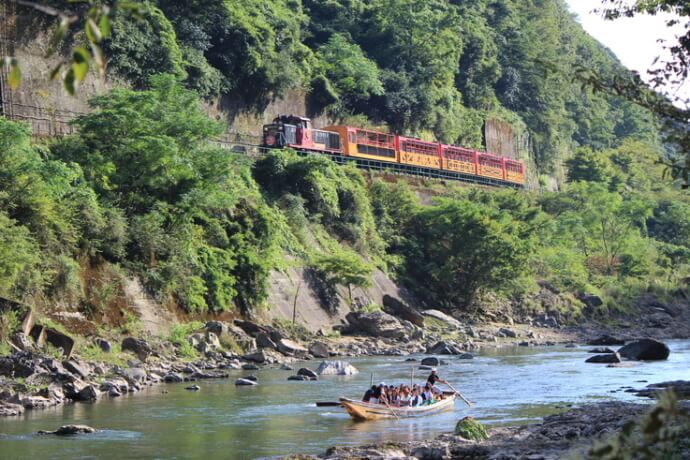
360, 410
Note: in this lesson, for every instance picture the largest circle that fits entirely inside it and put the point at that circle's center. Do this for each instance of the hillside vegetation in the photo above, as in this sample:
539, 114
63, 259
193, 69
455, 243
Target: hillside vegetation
436, 69
141, 189
142, 192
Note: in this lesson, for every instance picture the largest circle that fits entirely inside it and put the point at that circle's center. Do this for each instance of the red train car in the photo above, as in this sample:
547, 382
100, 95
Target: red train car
514, 171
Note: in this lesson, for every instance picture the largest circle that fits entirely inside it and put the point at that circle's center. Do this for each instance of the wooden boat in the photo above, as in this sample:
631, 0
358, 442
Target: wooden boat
360, 410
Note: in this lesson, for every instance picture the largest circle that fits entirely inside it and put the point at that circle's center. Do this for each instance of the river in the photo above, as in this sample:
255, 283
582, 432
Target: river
509, 385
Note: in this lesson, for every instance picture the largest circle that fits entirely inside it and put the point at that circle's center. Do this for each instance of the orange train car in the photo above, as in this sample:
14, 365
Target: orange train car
491, 166
418, 153
514, 171
459, 159
363, 143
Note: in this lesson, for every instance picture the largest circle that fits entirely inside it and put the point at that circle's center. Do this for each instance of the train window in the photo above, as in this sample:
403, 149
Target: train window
352, 138
459, 154
376, 151
422, 148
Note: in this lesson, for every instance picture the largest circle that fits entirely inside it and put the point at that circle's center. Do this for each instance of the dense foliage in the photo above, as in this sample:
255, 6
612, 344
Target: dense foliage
436, 68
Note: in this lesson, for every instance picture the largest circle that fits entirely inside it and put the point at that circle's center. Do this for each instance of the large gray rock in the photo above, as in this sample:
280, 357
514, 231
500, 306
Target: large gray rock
395, 307
22, 341
336, 368
217, 327
259, 357
245, 382
377, 324
505, 332
89, 393
264, 341
10, 409
607, 358
645, 350
251, 328
291, 348
444, 348
439, 315
319, 350
79, 368
139, 347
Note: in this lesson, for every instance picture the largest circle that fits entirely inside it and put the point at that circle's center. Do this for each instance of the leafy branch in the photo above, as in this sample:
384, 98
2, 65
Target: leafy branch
95, 21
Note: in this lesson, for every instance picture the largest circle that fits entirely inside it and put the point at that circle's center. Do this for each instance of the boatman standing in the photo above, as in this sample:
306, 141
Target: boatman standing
433, 378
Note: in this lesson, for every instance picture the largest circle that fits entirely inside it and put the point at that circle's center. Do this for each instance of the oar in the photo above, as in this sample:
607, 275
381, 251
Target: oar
391, 409
328, 404
459, 394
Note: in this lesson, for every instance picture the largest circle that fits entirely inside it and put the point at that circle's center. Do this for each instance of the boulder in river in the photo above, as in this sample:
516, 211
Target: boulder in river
443, 348
193, 388
301, 378
395, 307
607, 358
307, 372
645, 350
245, 382
601, 350
606, 340
336, 368
69, 430
431, 361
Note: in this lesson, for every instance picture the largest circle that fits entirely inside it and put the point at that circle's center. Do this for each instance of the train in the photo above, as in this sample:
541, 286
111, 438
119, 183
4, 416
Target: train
290, 131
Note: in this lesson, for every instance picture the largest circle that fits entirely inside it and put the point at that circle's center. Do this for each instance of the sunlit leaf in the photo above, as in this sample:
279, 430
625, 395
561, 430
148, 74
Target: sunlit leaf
55, 72
69, 82
80, 63
93, 32
14, 77
105, 26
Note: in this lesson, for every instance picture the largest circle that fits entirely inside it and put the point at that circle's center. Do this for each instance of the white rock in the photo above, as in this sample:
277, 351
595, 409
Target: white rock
336, 368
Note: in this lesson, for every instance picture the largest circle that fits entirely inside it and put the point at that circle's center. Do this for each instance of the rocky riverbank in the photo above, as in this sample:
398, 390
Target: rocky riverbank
46, 368
571, 434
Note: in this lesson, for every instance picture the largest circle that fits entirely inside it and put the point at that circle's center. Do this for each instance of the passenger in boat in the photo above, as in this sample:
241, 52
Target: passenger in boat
428, 394
394, 396
405, 395
369, 394
415, 398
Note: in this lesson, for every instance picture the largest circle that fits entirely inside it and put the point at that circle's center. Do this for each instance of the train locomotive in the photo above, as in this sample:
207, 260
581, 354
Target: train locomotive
297, 133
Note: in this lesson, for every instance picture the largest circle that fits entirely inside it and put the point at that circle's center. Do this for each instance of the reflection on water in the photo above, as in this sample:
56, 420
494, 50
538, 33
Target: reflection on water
513, 385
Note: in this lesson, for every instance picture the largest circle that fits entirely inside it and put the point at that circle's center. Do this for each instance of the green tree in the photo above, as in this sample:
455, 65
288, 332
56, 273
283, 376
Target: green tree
459, 249
346, 268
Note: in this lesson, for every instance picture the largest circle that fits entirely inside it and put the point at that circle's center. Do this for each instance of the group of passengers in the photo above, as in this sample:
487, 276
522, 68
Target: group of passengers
404, 395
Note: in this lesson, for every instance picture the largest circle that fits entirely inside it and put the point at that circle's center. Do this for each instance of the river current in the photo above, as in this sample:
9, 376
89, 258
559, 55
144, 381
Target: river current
278, 417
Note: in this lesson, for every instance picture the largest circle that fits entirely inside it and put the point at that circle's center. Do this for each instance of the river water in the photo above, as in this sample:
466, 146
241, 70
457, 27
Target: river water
510, 385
